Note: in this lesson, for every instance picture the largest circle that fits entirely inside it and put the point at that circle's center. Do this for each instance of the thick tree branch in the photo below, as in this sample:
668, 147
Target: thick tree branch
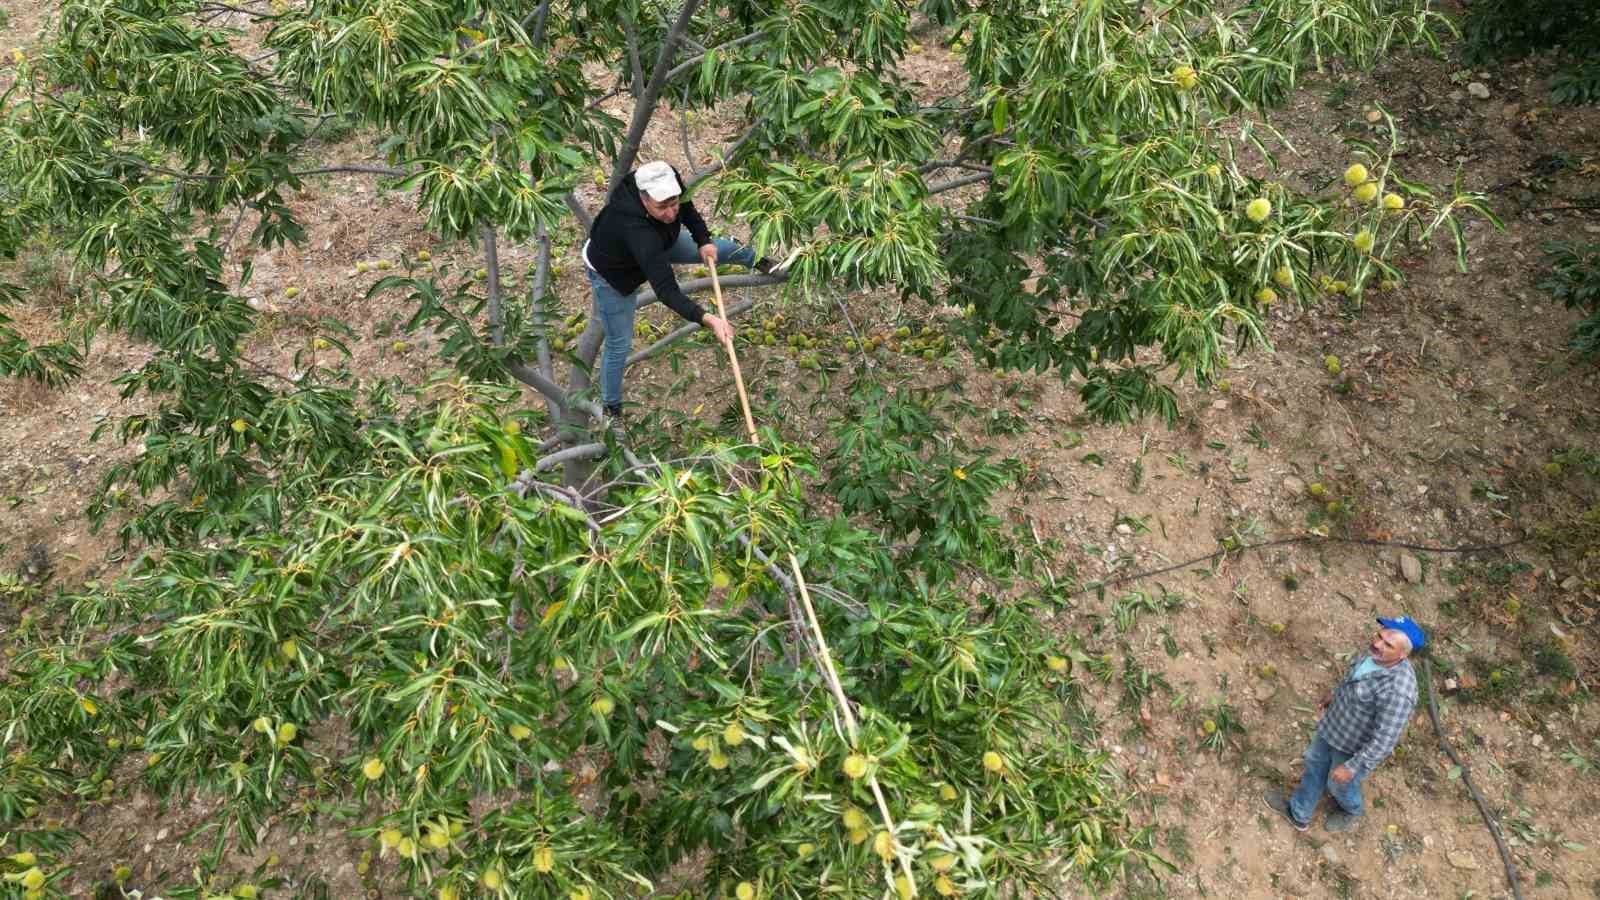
535, 379
959, 182
645, 106
688, 328
578, 212
537, 18
491, 262
582, 451
541, 283
695, 285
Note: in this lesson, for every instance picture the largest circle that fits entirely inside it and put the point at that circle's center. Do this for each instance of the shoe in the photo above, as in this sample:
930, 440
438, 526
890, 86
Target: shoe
1340, 821
615, 423
767, 266
1279, 804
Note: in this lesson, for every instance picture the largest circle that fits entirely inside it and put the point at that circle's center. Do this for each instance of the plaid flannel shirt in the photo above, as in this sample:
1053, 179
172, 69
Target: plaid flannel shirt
1367, 716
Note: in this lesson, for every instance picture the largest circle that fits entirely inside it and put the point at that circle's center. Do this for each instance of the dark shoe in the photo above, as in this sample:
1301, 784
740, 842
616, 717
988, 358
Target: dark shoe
767, 266
1279, 804
615, 423
1340, 821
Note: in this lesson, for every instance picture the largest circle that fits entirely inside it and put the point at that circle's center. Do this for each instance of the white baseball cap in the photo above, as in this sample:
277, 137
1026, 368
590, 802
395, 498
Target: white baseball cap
658, 180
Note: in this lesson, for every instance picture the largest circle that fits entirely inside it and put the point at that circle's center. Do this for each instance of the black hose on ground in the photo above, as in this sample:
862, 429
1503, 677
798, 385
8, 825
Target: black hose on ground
1280, 542
1466, 779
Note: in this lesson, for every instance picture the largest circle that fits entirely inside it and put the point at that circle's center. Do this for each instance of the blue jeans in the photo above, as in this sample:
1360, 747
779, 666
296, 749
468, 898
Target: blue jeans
615, 309
1321, 758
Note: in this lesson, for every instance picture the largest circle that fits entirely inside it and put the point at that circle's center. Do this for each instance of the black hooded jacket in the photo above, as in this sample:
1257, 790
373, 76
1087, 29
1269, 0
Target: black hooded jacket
628, 247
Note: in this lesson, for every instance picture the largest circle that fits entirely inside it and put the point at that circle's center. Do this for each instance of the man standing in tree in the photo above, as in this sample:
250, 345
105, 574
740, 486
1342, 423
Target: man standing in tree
1363, 718
645, 228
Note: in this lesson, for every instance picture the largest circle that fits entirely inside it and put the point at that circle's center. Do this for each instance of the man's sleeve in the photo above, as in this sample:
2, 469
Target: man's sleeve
1393, 714
690, 218
657, 266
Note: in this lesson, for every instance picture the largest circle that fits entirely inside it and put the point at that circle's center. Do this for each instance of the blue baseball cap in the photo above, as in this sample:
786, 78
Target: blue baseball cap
1412, 630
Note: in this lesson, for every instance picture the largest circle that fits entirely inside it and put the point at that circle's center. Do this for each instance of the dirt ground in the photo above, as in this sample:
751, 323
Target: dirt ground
1458, 392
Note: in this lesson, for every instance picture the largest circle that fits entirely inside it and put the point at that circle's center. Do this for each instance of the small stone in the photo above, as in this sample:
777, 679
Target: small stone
1461, 859
1219, 404
1294, 486
1265, 689
1124, 528
1330, 854
1479, 90
1411, 568
161, 835
1572, 583
1450, 684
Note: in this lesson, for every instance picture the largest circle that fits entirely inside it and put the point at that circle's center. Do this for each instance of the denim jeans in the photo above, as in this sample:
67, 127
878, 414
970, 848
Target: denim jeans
1321, 758
616, 309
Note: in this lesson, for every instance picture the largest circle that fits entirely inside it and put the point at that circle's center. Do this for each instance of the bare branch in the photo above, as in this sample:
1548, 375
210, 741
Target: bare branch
726, 154
688, 328
695, 60
965, 152
595, 103
355, 169
491, 262
203, 176
645, 106
937, 164
959, 182
636, 66
683, 134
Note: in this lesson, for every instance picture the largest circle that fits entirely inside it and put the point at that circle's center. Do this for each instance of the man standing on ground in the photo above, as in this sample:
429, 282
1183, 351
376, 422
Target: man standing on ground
1363, 717
645, 228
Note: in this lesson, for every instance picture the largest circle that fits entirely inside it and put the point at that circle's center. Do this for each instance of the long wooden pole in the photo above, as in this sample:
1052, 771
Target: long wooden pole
738, 377
824, 657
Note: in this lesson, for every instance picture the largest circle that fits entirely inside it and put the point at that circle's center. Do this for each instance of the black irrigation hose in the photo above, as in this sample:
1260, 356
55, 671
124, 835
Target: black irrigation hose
1466, 779
1280, 542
